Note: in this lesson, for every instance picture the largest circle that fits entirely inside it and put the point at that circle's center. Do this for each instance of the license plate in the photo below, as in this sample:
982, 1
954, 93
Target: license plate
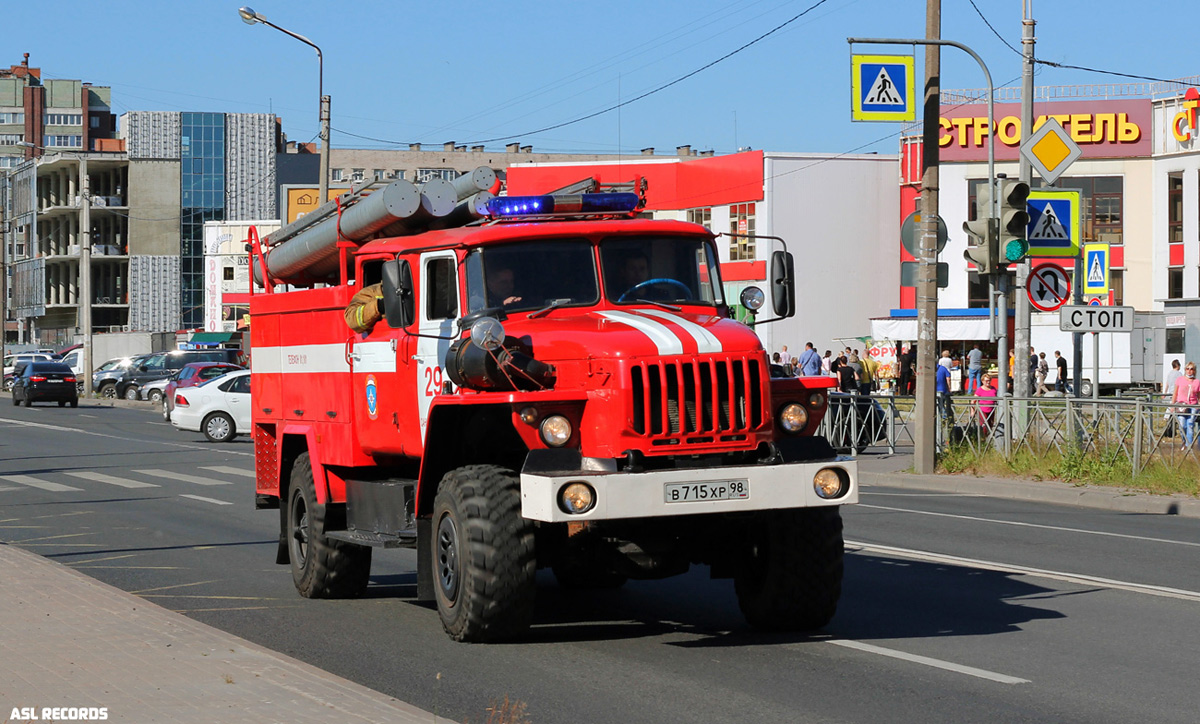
54, 381
715, 490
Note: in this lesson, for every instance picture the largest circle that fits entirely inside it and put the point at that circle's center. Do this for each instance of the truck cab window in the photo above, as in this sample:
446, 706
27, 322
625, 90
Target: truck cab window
660, 269
441, 293
526, 276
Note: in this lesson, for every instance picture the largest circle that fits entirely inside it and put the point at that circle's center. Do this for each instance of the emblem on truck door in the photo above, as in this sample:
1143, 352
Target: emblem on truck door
372, 397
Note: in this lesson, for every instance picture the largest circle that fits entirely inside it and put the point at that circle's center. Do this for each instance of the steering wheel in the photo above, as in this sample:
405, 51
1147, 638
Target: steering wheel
638, 290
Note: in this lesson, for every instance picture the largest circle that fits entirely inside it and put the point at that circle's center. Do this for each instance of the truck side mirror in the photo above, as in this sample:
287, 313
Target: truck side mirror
783, 284
399, 305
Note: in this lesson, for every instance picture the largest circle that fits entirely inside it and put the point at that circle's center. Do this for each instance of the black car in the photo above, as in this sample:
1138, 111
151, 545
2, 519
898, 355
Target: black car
127, 383
45, 382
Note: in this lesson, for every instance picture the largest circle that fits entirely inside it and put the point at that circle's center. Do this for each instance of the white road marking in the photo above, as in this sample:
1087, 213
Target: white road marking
209, 449
229, 471
40, 484
110, 479
1033, 525
926, 661
1077, 578
182, 476
214, 501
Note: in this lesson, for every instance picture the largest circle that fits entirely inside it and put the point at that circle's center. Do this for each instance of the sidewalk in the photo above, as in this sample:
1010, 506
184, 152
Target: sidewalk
71, 641
891, 470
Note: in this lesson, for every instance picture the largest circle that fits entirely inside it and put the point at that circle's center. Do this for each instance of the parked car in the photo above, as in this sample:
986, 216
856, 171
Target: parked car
45, 382
153, 391
220, 407
13, 360
162, 365
192, 374
106, 376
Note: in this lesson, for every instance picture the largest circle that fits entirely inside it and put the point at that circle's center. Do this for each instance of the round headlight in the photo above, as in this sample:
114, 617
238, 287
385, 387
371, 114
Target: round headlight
793, 417
830, 483
576, 498
816, 399
753, 298
556, 430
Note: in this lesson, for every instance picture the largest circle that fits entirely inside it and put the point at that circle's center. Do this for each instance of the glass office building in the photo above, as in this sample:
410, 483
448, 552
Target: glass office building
202, 198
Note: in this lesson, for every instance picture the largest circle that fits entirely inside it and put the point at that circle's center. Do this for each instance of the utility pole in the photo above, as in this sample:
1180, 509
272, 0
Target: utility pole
85, 271
925, 438
1021, 380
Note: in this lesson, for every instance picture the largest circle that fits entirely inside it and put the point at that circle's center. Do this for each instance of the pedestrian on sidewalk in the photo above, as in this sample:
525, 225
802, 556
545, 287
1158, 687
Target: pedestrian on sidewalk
1043, 369
1060, 363
974, 368
810, 361
826, 363
944, 403
987, 402
1187, 398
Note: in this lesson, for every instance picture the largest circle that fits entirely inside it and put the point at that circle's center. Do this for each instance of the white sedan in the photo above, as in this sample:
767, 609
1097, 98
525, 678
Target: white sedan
219, 408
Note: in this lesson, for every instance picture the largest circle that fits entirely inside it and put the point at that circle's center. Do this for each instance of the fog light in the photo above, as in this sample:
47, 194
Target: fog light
528, 415
556, 430
830, 483
576, 498
816, 400
793, 418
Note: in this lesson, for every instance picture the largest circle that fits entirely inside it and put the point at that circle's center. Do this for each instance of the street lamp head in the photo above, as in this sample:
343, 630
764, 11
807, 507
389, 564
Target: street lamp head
250, 17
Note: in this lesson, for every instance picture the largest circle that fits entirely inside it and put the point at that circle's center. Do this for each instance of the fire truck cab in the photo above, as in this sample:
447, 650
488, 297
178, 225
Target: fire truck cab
557, 384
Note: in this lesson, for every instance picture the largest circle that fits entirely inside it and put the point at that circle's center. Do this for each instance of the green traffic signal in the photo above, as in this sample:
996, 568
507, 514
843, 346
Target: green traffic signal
1014, 218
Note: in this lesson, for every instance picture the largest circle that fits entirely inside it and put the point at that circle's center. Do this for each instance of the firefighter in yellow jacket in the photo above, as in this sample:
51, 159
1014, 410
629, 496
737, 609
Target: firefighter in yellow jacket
365, 308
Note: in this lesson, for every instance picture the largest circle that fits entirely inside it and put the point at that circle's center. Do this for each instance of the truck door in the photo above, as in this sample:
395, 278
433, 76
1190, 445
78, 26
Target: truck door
437, 314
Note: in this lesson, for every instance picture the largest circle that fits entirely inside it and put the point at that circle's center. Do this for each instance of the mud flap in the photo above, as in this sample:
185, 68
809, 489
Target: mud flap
424, 559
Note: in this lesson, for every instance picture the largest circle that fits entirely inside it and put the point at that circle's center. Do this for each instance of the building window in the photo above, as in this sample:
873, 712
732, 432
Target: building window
357, 174
380, 174
1116, 284
12, 117
94, 121
10, 139
335, 174
1175, 340
741, 222
701, 216
428, 174
1174, 207
10, 161
398, 173
1175, 283
62, 141
63, 119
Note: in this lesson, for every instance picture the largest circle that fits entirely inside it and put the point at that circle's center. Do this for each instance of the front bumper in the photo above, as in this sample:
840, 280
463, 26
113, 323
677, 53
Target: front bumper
642, 495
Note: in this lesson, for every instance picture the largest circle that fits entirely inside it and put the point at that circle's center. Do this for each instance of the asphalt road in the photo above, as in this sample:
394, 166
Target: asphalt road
955, 608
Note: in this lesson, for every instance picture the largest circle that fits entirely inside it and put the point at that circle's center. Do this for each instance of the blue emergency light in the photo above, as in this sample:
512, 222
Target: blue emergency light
512, 206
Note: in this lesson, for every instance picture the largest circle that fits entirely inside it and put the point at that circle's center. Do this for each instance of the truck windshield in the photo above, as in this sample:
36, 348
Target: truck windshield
669, 269
530, 275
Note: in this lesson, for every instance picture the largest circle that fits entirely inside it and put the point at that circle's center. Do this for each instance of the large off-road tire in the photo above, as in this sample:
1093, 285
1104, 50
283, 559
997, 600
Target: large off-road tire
321, 567
483, 555
790, 575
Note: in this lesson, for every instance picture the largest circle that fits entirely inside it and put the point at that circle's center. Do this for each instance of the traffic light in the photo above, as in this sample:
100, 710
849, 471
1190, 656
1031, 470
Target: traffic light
1014, 218
982, 247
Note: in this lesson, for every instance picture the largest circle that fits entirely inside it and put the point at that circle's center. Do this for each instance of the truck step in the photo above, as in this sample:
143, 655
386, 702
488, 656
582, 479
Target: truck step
401, 539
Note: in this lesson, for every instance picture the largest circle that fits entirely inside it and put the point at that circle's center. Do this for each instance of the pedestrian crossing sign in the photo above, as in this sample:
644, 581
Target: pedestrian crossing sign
1054, 226
883, 88
1095, 269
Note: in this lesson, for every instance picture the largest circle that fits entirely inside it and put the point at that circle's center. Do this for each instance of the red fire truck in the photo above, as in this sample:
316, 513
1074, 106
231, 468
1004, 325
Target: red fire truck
554, 382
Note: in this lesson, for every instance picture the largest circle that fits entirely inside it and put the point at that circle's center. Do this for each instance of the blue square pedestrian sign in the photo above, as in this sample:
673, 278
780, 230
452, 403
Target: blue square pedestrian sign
1054, 226
1095, 269
883, 88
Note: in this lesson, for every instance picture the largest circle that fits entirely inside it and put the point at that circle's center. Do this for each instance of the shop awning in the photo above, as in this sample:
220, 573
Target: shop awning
210, 338
958, 324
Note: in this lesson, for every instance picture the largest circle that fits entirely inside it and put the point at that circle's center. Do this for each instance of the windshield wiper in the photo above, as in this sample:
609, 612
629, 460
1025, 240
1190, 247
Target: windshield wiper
664, 305
554, 304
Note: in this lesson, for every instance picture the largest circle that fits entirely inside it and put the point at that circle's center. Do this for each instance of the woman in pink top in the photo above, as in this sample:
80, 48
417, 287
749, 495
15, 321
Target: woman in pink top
986, 405
1187, 397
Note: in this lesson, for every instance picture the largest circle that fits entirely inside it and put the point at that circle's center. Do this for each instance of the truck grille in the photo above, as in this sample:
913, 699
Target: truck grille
679, 400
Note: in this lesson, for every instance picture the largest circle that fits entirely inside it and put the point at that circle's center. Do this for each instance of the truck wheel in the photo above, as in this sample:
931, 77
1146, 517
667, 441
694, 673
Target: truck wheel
483, 555
108, 390
790, 575
321, 568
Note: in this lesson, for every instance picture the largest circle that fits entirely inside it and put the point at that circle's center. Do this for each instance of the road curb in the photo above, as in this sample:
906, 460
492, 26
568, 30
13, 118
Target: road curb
1116, 499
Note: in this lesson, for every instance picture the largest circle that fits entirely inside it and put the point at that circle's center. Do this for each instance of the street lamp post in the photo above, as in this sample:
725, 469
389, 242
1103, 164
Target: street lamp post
250, 18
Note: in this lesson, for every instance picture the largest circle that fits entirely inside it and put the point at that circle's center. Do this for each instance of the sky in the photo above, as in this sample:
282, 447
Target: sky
721, 76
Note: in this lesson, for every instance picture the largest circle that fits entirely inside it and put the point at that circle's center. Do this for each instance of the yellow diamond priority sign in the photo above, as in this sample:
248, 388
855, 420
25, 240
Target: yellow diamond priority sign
1050, 150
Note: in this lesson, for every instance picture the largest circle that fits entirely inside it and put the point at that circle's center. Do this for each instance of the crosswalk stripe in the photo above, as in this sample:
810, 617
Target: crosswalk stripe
110, 479
40, 484
182, 476
230, 471
206, 500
